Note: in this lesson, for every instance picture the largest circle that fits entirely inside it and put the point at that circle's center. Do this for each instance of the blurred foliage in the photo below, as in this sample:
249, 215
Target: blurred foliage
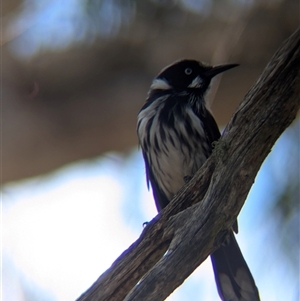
286, 209
76, 72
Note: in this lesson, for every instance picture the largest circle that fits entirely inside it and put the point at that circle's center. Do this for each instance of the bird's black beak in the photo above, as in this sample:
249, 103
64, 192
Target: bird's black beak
219, 69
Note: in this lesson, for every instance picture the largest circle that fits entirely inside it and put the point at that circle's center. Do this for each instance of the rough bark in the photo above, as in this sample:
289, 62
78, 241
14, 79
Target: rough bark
197, 220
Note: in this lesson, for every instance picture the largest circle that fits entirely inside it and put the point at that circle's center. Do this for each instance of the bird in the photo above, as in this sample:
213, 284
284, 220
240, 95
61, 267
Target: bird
176, 130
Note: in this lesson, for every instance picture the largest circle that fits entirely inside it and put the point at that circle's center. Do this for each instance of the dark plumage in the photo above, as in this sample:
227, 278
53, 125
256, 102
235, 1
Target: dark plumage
176, 131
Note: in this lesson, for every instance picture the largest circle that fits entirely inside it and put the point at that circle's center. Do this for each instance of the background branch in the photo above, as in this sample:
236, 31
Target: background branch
190, 230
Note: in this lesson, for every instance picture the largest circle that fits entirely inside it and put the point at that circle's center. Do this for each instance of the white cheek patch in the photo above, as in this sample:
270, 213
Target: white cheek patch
160, 84
196, 83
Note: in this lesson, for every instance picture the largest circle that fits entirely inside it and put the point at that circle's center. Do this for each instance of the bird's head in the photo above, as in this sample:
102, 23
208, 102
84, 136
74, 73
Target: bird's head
187, 74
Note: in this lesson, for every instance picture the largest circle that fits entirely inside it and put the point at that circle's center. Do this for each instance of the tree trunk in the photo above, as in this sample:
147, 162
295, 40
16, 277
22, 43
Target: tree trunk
195, 223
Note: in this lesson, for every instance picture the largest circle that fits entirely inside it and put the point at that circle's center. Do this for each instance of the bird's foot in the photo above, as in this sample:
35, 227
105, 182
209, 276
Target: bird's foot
187, 179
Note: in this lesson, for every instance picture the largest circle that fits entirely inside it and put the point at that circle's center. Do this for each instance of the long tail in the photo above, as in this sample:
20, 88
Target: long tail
233, 277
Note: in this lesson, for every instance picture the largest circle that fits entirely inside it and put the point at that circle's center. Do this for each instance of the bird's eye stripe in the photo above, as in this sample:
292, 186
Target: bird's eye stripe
160, 84
188, 71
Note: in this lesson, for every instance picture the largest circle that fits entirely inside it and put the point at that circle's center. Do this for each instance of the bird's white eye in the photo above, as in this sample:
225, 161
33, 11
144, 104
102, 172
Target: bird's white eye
188, 71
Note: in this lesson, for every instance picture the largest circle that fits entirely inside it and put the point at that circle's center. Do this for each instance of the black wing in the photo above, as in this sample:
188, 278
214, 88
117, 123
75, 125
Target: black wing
161, 201
210, 127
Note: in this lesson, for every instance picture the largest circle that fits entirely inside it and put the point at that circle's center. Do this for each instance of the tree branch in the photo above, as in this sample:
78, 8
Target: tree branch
188, 229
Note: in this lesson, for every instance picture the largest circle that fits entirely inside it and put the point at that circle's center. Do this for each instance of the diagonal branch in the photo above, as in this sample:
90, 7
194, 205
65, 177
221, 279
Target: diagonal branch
188, 230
